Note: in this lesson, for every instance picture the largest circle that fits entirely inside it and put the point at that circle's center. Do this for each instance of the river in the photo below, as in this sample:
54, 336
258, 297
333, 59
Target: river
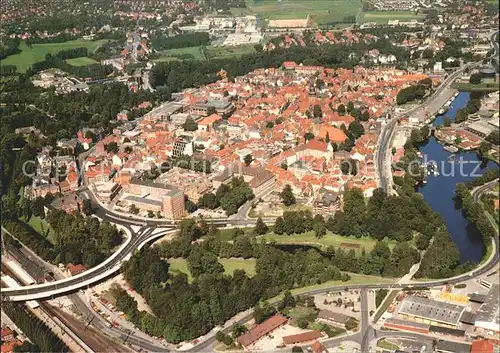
440, 190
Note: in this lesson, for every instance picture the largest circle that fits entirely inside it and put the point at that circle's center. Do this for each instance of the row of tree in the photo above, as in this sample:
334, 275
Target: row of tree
180, 41
42, 337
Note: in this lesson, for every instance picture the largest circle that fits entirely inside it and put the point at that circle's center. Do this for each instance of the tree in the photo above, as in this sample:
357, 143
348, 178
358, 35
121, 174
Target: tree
350, 106
87, 207
190, 125
238, 329
317, 112
356, 129
341, 109
279, 226
447, 121
287, 196
208, 200
269, 125
393, 151
308, 136
111, 147
260, 227
133, 209
483, 149
222, 337
248, 159
284, 166
475, 78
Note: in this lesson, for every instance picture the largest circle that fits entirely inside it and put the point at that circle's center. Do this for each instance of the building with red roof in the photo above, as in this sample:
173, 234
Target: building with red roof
482, 346
261, 330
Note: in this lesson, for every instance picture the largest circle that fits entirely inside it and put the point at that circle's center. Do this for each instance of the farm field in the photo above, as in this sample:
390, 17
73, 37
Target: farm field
81, 61
321, 12
383, 17
338, 241
37, 52
180, 265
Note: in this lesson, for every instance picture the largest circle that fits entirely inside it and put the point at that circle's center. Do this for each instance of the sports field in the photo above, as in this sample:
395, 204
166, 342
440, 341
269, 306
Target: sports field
37, 52
383, 17
81, 61
320, 11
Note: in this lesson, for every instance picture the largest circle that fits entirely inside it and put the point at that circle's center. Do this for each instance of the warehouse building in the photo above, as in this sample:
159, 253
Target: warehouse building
432, 312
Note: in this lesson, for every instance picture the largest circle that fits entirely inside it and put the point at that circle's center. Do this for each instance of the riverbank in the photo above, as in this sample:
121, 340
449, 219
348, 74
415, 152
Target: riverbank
439, 191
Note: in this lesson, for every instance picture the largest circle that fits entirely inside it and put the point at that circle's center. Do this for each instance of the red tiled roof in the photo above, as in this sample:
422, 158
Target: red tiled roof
481, 346
261, 330
6, 331
302, 337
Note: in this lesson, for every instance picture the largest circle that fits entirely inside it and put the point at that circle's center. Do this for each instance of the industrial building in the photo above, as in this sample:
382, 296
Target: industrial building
429, 311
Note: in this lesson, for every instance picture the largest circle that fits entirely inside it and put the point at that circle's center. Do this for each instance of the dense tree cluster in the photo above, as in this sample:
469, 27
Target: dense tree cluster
186, 310
180, 41
411, 93
82, 240
394, 217
9, 47
42, 337
231, 197
489, 175
475, 214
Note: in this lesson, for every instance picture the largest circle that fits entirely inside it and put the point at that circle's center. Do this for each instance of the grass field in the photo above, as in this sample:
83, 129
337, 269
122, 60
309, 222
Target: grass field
180, 265
42, 227
337, 241
239, 264
320, 12
210, 52
383, 17
387, 345
81, 61
176, 54
37, 52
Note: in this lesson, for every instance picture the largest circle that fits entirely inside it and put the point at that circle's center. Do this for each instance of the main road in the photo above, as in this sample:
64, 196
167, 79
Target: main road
431, 105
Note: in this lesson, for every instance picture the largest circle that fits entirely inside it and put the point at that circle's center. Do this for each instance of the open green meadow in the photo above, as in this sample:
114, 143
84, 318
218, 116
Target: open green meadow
180, 53
338, 241
200, 53
37, 52
383, 17
81, 61
320, 12
42, 227
180, 265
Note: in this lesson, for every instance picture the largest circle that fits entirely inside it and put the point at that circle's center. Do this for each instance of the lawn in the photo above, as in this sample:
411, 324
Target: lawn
355, 279
320, 12
180, 53
42, 227
37, 52
300, 311
81, 61
180, 265
383, 17
387, 345
335, 240
239, 264
227, 52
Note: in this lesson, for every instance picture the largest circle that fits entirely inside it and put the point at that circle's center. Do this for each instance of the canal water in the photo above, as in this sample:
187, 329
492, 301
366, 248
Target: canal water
439, 191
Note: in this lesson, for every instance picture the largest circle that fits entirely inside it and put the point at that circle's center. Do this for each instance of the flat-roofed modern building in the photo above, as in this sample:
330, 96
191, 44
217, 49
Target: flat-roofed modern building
431, 311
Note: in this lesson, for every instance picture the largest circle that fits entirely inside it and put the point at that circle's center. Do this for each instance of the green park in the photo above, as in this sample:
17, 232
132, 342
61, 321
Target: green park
31, 54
